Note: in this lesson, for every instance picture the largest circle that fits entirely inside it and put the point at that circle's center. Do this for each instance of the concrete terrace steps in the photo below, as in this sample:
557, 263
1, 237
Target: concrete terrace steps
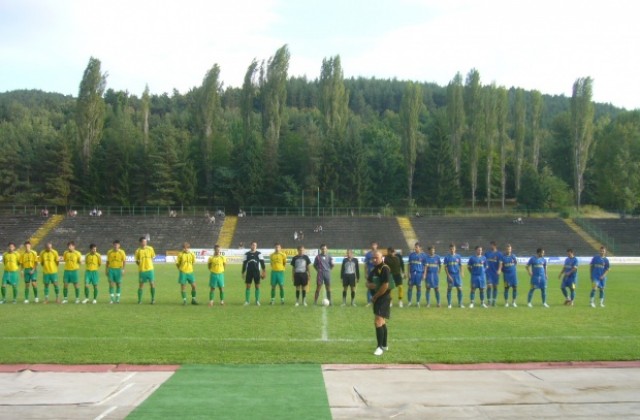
625, 233
19, 228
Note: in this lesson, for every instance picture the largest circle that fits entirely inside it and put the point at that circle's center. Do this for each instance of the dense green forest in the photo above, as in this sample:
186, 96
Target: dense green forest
352, 142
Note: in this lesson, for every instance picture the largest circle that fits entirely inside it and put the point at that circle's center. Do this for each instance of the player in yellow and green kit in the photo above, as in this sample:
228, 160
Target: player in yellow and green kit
116, 260
72, 260
11, 261
144, 259
185, 262
49, 260
217, 264
278, 264
29, 264
92, 262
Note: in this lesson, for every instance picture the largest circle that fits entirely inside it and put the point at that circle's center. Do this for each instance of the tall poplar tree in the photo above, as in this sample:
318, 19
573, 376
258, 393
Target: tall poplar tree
536, 127
582, 113
90, 111
520, 122
146, 104
207, 113
410, 109
490, 102
456, 119
473, 110
502, 112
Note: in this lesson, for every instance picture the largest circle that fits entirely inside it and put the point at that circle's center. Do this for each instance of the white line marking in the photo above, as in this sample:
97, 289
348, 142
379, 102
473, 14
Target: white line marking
325, 322
106, 412
334, 340
115, 394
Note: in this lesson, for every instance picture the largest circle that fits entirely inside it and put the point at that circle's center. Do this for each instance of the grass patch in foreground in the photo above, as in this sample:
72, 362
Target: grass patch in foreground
171, 333
242, 392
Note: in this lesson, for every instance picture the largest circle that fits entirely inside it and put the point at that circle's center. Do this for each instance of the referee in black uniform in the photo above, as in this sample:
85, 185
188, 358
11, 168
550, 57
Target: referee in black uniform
378, 283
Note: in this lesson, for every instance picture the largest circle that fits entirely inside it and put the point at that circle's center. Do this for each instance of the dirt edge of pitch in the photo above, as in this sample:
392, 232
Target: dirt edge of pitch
95, 368
489, 366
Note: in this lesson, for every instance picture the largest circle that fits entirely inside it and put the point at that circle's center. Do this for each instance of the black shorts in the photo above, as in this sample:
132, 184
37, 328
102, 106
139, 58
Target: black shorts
252, 277
382, 306
397, 278
349, 280
300, 279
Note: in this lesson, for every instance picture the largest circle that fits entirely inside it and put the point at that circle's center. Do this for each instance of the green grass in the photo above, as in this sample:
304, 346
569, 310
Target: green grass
170, 333
239, 392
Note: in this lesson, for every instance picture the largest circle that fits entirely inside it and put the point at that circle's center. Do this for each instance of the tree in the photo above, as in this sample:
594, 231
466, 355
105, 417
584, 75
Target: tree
456, 118
490, 102
474, 112
90, 110
410, 109
582, 113
519, 124
536, 130
208, 110
502, 112
145, 115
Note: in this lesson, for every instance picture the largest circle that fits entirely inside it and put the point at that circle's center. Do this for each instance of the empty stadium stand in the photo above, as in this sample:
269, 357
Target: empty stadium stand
337, 232
551, 234
166, 233
18, 228
625, 234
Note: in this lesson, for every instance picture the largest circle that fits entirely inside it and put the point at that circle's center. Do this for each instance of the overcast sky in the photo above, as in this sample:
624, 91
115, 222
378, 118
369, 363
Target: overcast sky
542, 44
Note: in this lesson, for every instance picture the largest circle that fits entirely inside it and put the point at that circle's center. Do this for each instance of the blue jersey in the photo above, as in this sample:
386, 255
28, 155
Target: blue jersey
417, 262
509, 263
478, 265
538, 267
368, 261
599, 266
569, 264
493, 261
433, 266
453, 264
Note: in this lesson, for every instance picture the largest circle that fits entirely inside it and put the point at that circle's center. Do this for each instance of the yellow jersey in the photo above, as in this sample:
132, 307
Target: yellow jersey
49, 261
116, 259
29, 259
11, 261
93, 261
278, 261
144, 258
216, 263
185, 261
71, 260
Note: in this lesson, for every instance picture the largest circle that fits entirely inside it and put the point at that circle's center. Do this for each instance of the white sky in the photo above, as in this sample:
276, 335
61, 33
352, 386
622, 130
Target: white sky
543, 44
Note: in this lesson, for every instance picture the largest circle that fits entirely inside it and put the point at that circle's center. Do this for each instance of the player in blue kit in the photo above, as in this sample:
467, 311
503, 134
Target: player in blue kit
417, 263
599, 271
453, 268
477, 266
537, 269
569, 276
432, 279
493, 272
508, 267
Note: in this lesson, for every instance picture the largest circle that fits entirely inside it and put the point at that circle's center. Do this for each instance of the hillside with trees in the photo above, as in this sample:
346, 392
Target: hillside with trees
352, 142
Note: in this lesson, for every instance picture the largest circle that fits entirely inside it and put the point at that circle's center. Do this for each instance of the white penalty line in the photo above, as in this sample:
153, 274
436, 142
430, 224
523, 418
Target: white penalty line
325, 339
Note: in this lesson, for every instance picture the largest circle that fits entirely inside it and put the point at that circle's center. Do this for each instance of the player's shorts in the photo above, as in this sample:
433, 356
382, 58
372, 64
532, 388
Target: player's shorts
538, 282
432, 281
493, 279
382, 306
216, 280
70, 276
146, 276
252, 277
300, 279
510, 281
478, 282
277, 278
29, 277
415, 279
115, 275
397, 279
10, 277
50, 278
600, 284
91, 277
568, 282
324, 277
349, 280
456, 280
184, 278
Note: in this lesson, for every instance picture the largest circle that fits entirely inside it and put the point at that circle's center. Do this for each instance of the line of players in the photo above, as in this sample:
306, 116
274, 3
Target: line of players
485, 272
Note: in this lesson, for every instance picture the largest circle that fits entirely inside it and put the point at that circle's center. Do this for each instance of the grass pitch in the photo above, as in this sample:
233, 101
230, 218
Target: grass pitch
234, 334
